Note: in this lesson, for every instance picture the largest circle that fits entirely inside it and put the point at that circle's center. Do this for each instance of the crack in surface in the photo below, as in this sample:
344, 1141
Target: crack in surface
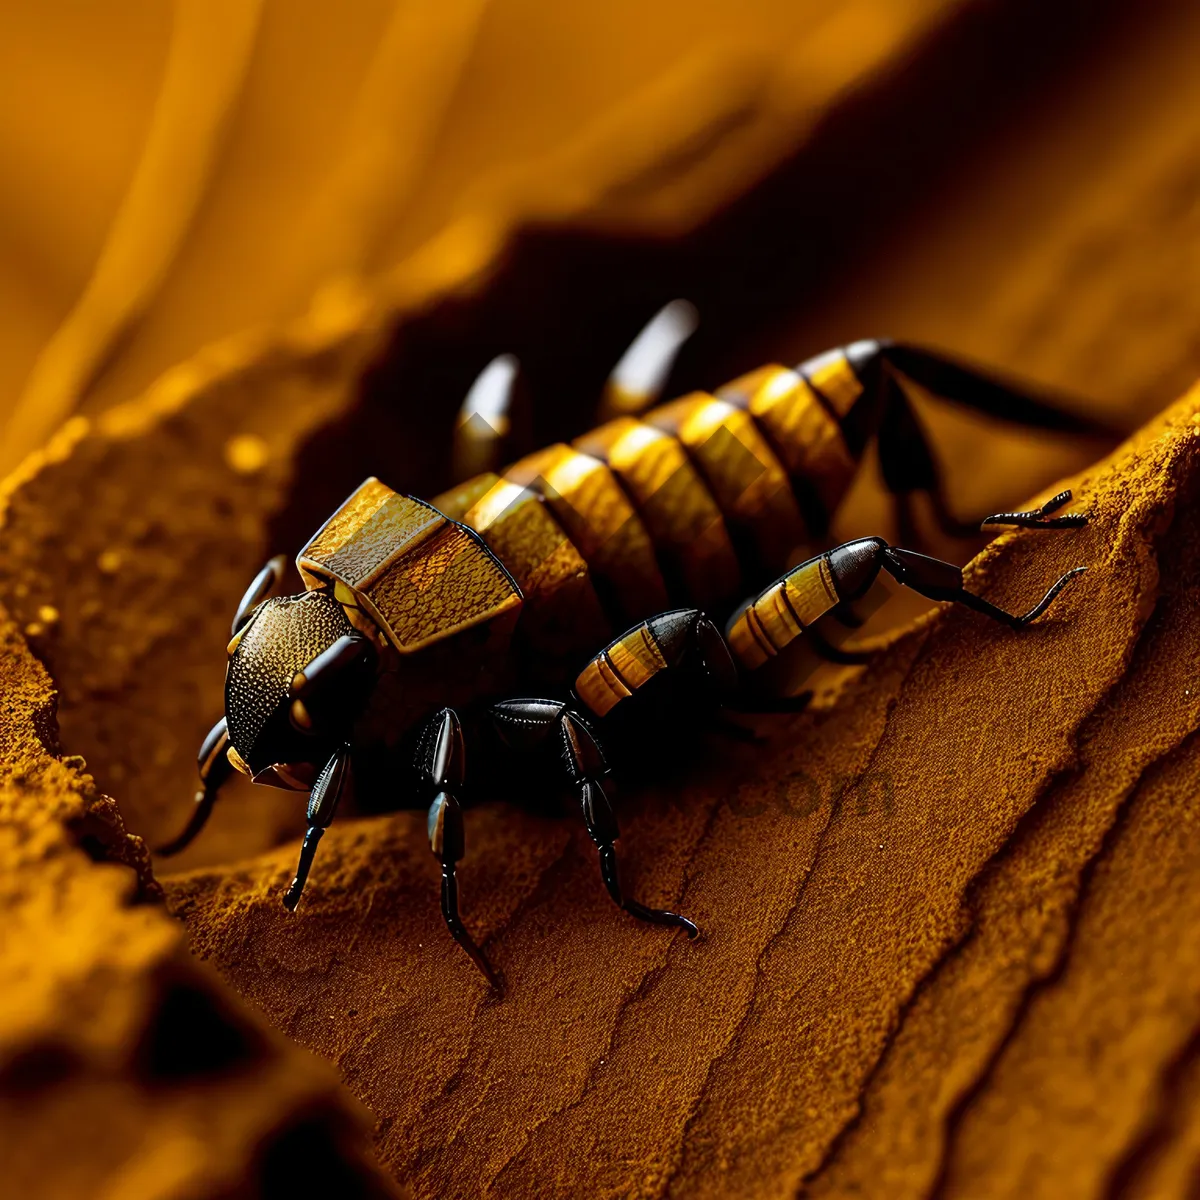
973, 903
1053, 786
1042, 985
735, 1038
1165, 1124
1091, 726
639, 992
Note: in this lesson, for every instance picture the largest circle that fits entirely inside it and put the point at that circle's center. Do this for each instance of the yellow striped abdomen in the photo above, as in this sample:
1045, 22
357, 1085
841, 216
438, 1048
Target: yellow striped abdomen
782, 613
697, 502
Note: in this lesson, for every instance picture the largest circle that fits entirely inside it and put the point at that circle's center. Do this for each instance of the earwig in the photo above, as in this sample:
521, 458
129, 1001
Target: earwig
498, 593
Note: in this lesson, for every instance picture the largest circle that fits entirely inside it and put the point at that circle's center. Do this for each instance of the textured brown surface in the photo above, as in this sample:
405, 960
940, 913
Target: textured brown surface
840, 938
973, 972
126, 1069
138, 539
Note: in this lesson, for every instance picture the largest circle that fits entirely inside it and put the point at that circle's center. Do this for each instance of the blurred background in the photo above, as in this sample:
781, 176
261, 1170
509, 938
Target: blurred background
366, 202
1012, 181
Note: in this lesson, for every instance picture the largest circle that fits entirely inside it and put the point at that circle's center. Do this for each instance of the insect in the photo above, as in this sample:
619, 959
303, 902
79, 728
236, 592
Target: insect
418, 616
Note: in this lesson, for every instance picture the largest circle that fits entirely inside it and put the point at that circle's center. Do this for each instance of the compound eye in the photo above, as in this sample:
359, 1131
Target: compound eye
265, 584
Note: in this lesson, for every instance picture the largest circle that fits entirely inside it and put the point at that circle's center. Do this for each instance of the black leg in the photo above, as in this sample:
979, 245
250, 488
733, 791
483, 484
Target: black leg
943, 581
524, 724
263, 585
906, 458
907, 529
986, 392
215, 769
333, 781
920, 473
908, 465
1040, 518
586, 766
214, 766
441, 760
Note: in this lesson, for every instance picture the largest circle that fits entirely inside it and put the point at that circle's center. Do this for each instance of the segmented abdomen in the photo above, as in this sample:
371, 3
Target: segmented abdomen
698, 502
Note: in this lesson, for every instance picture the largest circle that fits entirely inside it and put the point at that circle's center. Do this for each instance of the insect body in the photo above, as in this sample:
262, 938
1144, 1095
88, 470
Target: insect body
416, 613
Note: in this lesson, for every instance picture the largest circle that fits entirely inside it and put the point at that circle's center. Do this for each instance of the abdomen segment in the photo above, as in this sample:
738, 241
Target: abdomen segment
697, 502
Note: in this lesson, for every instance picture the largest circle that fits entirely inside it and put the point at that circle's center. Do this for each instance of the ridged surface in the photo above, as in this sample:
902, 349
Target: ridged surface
127, 1071
1088, 283
948, 925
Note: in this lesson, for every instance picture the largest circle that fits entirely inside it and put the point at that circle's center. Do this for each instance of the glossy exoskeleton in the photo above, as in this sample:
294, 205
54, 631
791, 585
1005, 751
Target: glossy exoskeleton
510, 587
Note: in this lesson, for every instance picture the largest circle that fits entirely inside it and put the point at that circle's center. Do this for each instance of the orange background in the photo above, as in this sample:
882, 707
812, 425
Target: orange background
250, 252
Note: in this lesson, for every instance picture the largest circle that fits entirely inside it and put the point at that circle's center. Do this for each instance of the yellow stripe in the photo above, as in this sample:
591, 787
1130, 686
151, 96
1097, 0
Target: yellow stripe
778, 623
743, 473
807, 437
782, 613
589, 503
598, 686
744, 388
635, 439
674, 503
493, 504
636, 657
744, 645
833, 376
706, 416
811, 590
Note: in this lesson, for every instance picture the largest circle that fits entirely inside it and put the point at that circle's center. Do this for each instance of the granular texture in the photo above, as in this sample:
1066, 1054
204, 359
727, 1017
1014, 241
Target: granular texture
127, 1070
925, 913
944, 917
949, 922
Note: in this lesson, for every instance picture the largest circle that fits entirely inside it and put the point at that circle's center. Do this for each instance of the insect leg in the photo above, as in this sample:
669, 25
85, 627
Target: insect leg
1040, 518
943, 581
215, 768
481, 432
908, 465
989, 394
333, 781
585, 765
524, 724
789, 610
263, 585
640, 375
905, 455
441, 759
